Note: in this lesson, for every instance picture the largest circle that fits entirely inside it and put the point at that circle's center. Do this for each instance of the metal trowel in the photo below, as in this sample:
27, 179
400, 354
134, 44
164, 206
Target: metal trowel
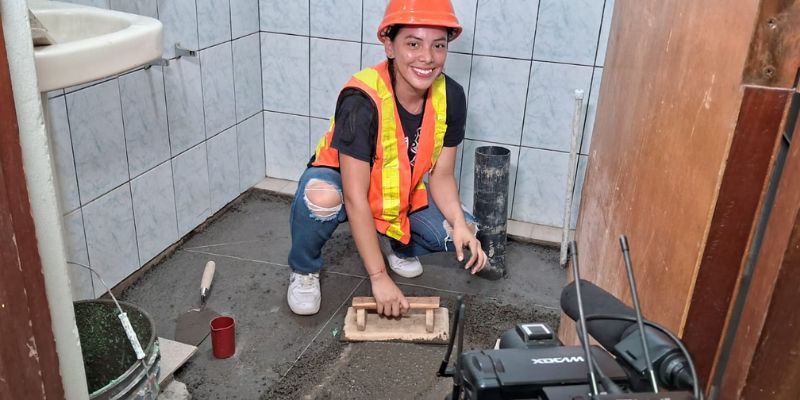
193, 326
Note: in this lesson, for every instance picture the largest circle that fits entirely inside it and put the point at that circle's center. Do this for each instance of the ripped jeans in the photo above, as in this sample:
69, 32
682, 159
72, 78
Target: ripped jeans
429, 229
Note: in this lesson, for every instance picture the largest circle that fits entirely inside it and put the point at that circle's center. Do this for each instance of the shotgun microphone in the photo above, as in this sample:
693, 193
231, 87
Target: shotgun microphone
621, 338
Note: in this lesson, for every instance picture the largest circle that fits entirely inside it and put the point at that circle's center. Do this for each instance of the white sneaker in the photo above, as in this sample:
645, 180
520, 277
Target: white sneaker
303, 295
406, 267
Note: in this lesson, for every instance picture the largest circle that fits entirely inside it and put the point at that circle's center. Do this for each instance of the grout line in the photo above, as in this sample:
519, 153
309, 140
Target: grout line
322, 328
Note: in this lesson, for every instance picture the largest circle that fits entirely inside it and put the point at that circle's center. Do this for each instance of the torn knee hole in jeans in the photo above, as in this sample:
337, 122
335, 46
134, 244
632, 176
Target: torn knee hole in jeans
318, 212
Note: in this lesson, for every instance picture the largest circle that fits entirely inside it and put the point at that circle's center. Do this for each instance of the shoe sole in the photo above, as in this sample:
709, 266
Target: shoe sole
297, 312
407, 275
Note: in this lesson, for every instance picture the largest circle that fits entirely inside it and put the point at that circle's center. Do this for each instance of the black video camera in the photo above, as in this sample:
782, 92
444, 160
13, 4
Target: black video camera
530, 362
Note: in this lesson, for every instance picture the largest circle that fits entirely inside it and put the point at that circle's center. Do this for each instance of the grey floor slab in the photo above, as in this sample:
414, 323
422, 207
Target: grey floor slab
280, 355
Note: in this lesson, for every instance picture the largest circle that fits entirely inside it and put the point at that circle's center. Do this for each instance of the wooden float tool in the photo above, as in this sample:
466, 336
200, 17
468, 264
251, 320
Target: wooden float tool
426, 322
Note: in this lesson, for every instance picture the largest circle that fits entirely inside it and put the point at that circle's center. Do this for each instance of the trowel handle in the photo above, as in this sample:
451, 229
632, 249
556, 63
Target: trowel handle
208, 276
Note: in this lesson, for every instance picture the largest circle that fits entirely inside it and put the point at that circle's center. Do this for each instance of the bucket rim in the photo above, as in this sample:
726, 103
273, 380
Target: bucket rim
151, 342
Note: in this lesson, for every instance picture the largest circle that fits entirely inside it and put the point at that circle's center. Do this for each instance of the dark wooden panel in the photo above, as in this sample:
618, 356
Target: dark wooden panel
774, 52
28, 359
775, 370
765, 298
668, 106
744, 182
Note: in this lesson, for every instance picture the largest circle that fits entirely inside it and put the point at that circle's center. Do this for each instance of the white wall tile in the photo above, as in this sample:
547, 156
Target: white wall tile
497, 100
467, 181
62, 152
465, 12
154, 211
180, 25
244, 17
506, 28
250, 139
219, 104
284, 63
75, 88
602, 45
184, 92
111, 235
144, 114
329, 76
318, 127
80, 278
372, 54
213, 22
567, 31
95, 119
373, 15
458, 67
541, 187
192, 196
247, 76
336, 20
283, 135
281, 16
223, 168
591, 112
551, 104
140, 7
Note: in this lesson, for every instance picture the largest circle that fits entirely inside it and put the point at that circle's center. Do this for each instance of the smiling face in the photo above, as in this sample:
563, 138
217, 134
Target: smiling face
419, 53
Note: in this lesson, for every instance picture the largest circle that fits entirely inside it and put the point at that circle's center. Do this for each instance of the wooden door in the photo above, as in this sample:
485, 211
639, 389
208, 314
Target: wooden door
28, 361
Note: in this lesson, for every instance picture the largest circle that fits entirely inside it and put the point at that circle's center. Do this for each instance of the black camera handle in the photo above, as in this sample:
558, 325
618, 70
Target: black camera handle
456, 329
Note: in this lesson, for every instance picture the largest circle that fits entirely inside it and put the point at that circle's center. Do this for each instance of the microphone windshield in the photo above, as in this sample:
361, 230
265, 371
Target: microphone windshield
597, 301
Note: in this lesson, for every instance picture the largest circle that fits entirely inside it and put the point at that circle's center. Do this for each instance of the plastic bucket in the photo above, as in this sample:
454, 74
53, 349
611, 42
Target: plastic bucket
112, 370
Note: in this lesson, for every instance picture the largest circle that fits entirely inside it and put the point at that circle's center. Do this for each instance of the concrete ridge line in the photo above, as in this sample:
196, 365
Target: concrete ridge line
222, 244
235, 257
430, 287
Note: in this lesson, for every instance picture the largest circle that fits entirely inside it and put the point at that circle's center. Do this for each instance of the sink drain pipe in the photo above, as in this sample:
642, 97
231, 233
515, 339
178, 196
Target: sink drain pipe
490, 202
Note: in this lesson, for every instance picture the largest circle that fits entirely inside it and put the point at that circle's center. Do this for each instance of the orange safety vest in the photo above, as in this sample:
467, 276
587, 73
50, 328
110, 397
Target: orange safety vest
394, 191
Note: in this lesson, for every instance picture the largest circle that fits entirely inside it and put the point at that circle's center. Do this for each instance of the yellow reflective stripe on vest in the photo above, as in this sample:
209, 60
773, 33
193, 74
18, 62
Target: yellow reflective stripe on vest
323, 141
390, 167
439, 99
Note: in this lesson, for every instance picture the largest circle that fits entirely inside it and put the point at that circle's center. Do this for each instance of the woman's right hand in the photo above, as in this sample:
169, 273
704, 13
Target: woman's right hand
390, 300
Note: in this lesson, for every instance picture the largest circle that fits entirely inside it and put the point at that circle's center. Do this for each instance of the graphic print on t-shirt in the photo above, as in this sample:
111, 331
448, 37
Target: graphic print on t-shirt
412, 150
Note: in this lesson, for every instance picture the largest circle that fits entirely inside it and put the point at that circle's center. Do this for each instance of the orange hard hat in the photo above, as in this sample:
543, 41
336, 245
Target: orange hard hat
420, 12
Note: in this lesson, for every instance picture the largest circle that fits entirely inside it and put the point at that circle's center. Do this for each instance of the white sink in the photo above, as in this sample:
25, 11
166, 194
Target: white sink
91, 43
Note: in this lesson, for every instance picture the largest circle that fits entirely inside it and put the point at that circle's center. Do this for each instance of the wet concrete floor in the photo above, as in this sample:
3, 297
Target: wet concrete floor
283, 356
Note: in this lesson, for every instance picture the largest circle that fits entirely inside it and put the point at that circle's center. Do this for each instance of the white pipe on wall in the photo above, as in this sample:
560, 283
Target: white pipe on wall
573, 168
39, 169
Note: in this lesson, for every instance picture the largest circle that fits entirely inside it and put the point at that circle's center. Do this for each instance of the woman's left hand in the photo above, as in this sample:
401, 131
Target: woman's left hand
464, 237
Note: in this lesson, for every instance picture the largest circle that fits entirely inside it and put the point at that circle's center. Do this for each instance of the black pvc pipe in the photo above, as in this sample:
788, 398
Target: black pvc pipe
490, 206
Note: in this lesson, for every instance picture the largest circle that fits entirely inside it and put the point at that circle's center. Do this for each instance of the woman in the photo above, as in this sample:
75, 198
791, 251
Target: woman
394, 123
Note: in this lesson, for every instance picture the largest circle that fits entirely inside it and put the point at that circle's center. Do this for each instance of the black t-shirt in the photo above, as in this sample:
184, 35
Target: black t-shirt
356, 130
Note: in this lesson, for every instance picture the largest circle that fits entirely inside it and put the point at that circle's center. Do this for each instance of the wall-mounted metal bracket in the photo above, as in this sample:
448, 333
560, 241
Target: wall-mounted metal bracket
180, 51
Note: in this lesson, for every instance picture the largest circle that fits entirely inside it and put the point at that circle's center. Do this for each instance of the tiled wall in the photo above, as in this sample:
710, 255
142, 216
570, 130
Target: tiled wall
145, 157
519, 61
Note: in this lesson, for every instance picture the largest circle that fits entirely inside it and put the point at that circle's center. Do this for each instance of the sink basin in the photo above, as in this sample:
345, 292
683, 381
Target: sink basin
91, 43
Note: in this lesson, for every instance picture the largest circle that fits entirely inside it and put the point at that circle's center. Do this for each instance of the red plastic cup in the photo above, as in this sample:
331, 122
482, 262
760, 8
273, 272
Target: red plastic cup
223, 336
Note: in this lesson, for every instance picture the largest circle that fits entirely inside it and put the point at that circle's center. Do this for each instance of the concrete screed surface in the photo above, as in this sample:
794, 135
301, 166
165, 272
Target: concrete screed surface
283, 356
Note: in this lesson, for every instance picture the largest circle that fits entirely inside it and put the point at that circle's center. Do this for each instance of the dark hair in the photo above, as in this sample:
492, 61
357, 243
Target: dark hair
392, 31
